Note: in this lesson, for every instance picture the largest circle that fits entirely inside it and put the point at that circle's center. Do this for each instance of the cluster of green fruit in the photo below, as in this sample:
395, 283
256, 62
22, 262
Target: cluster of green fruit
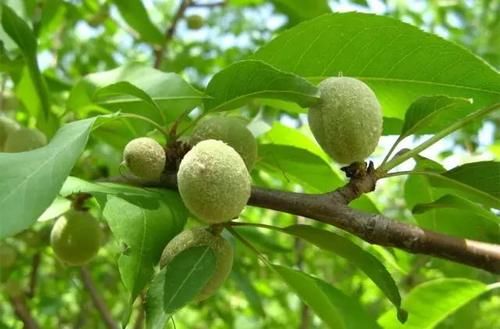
213, 180
15, 139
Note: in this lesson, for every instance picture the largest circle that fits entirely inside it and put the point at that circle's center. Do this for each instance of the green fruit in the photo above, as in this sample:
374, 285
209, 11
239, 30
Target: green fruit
7, 126
197, 238
24, 139
347, 121
76, 237
195, 22
213, 182
8, 256
232, 131
145, 158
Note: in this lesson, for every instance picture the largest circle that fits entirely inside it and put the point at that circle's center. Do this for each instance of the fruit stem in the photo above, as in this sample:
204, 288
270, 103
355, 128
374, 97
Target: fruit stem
383, 169
143, 118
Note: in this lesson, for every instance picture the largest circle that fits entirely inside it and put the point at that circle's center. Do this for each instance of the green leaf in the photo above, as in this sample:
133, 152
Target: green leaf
336, 309
233, 86
145, 225
397, 60
136, 16
469, 224
29, 181
23, 36
431, 302
455, 202
347, 249
168, 91
431, 114
298, 165
177, 284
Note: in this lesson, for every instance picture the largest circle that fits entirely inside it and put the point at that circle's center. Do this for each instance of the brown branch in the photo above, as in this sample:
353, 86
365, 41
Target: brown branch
97, 299
35, 265
160, 53
22, 311
332, 209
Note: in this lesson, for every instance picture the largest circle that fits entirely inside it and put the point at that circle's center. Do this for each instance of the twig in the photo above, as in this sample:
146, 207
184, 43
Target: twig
35, 265
97, 299
22, 311
169, 33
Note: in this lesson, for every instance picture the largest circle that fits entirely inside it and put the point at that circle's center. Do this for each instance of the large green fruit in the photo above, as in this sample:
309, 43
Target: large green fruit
347, 121
195, 22
145, 158
24, 139
8, 255
76, 237
197, 238
213, 182
7, 126
232, 131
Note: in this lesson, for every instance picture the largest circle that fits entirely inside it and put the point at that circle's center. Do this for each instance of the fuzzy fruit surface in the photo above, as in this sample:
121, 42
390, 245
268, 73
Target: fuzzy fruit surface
194, 22
213, 182
145, 158
76, 237
347, 121
8, 256
7, 126
199, 237
232, 131
24, 139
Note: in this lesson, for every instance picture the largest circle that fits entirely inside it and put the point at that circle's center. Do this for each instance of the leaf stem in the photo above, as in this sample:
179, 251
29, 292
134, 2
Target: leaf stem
440, 135
247, 244
143, 118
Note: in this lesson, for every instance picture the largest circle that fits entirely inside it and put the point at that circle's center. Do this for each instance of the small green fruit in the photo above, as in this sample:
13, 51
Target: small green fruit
8, 256
233, 132
7, 126
213, 182
195, 22
24, 139
145, 158
347, 121
197, 238
76, 237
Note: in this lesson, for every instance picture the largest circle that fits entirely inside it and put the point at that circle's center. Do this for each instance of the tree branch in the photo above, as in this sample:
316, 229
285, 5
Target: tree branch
21, 309
332, 208
169, 33
97, 299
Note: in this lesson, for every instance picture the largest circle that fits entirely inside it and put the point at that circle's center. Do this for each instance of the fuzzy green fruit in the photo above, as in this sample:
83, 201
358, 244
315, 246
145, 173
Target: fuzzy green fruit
76, 237
197, 238
8, 256
213, 182
232, 131
347, 121
195, 22
24, 139
145, 158
7, 127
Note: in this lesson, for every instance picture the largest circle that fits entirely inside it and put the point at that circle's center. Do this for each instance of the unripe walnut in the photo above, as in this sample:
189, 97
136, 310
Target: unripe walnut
194, 22
8, 255
347, 121
7, 126
24, 139
197, 238
233, 132
76, 237
213, 182
145, 158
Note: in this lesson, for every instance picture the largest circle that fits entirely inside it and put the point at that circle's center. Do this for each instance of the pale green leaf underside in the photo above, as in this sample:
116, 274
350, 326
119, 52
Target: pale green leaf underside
29, 181
399, 61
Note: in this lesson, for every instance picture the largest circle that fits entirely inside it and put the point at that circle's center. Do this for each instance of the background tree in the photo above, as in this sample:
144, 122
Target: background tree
412, 238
